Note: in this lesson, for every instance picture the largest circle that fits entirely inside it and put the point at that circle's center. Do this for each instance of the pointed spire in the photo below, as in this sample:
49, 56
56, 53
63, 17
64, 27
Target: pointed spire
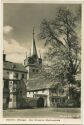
33, 33
34, 51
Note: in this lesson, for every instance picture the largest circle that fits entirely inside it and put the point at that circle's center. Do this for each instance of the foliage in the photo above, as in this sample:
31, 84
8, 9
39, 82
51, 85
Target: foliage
61, 37
64, 45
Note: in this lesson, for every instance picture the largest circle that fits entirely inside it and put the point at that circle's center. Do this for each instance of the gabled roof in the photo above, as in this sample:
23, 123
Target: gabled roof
38, 83
13, 66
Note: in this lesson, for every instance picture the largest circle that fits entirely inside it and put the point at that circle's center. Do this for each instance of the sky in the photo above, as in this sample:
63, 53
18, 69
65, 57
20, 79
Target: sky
19, 20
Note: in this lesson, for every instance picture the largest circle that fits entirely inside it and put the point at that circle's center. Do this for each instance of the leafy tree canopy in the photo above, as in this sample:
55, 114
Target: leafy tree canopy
64, 45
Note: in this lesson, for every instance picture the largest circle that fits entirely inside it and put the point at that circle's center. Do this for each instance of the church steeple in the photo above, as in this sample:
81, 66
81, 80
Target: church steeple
33, 63
34, 50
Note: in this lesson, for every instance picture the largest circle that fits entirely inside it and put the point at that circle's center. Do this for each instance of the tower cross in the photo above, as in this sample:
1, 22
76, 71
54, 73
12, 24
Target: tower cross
33, 32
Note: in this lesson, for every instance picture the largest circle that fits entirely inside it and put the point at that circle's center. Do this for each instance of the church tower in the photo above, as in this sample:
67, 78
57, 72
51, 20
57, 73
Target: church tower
33, 63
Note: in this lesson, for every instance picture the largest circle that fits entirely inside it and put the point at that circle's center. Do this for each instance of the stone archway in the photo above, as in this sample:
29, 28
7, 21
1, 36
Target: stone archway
40, 102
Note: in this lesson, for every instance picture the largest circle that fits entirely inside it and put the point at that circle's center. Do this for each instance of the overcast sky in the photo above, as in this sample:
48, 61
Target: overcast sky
19, 20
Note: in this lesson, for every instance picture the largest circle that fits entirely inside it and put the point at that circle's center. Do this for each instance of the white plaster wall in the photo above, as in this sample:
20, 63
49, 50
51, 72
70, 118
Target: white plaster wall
44, 92
11, 102
10, 75
11, 86
48, 101
30, 94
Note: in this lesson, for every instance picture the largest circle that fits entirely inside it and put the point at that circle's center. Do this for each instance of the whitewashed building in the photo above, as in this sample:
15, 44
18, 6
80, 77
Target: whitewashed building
14, 84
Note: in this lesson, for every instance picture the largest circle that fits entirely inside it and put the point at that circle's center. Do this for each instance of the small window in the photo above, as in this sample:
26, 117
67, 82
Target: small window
29, 92
6, 84
22, 75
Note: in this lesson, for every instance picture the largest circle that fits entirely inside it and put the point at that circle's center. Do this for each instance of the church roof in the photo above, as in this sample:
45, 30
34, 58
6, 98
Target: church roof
13, 66
38, 83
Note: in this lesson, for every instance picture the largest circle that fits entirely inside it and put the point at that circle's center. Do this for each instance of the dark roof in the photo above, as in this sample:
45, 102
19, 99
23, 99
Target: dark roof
38, 83
13, 66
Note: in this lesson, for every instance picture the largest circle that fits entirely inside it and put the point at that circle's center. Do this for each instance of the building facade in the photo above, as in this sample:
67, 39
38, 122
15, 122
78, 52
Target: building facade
14, 84
26, 82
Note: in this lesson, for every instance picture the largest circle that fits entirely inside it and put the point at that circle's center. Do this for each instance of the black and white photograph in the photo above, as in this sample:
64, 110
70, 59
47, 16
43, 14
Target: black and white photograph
42, 60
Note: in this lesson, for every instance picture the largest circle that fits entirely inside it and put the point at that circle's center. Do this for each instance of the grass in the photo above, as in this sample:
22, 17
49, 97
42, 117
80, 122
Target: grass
42, 112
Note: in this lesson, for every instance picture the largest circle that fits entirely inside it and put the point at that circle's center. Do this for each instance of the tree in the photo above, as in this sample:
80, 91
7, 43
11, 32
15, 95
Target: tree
63, 45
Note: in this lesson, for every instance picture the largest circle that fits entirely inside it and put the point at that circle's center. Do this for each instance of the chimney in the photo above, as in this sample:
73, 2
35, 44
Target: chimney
4, 56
